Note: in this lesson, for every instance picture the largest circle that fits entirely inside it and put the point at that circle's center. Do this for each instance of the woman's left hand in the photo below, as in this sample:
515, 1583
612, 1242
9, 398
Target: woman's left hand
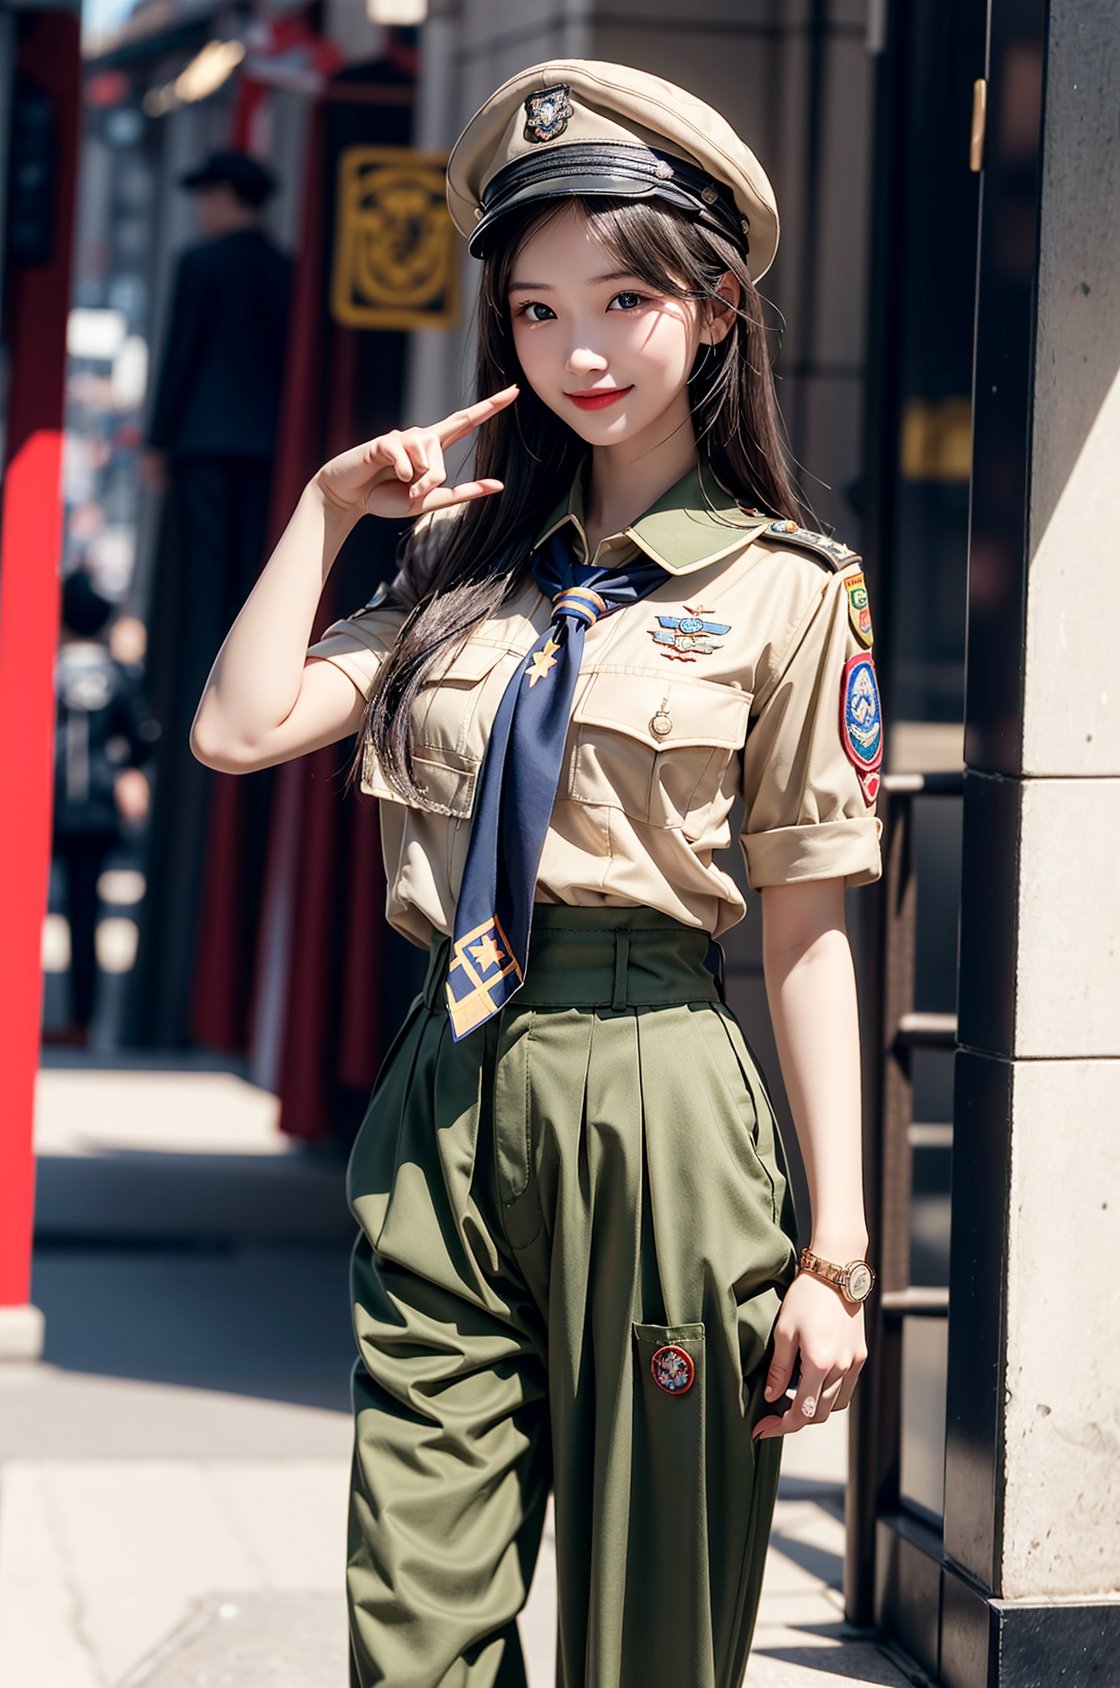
828, 1332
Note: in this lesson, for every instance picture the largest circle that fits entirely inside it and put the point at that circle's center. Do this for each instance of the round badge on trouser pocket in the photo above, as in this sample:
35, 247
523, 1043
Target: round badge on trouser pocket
672, 1368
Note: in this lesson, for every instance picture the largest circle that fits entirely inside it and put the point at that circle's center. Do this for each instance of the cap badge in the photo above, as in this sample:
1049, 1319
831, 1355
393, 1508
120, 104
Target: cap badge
673, 1369
548, 113
682, 638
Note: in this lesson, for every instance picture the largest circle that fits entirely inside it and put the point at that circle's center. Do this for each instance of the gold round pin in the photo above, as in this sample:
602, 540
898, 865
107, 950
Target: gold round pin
661, 723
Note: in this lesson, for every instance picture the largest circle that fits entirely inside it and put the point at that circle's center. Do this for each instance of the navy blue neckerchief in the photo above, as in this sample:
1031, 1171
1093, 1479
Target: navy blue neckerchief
520, 774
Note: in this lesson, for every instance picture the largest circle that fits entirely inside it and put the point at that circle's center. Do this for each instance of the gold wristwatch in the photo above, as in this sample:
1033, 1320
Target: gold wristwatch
855, 1280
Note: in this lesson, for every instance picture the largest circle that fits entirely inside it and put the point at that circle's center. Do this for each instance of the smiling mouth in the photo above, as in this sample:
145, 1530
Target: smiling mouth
600, 400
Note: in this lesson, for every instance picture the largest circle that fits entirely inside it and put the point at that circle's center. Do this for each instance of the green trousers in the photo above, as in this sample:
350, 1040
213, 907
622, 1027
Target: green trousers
576, 1229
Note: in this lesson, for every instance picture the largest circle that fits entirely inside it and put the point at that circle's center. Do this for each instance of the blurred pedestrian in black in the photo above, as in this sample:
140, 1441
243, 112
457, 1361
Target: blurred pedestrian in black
210, 445
103, 742
217, 391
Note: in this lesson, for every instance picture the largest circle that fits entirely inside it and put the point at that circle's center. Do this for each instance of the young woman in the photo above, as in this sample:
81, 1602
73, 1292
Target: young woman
577, 1263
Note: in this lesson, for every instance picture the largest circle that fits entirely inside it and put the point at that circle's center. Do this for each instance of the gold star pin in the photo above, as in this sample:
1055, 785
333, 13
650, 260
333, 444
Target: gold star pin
543, 662
487, 953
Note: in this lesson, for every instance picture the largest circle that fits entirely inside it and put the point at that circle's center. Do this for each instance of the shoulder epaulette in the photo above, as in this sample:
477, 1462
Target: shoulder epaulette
378, 598
824, 549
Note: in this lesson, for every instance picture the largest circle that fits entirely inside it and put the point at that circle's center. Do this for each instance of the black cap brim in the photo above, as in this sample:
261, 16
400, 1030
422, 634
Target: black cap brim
560, 187
602, 171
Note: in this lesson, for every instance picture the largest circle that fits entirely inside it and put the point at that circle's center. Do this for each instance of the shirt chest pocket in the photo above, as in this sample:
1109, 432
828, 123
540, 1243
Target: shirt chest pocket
451, 718
659, 748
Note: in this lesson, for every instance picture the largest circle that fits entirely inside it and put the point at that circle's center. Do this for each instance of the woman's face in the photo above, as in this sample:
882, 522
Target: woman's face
583, 330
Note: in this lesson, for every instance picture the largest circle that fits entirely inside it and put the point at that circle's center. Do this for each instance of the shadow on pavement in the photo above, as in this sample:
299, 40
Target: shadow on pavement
212, 1271
260, 1319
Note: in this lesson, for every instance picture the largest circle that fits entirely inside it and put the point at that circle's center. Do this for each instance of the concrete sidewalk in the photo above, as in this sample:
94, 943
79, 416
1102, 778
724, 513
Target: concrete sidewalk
174, 1472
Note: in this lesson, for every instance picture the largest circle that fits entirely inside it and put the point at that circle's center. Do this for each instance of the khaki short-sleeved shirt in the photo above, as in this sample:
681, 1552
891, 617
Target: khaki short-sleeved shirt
747, 673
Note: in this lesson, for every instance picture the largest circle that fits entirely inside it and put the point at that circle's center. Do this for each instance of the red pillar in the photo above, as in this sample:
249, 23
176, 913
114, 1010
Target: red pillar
36, 298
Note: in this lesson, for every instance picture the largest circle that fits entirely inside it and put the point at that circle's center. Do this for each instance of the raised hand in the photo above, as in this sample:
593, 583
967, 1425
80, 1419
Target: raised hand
402, 473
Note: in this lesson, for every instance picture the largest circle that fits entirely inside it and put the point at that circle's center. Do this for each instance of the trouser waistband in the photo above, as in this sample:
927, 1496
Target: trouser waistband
603, 958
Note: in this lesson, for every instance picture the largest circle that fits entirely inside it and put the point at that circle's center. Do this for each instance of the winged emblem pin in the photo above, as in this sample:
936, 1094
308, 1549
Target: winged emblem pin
682, 638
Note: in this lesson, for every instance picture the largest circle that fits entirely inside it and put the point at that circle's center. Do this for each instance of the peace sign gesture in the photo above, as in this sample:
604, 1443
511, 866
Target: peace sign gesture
402, 473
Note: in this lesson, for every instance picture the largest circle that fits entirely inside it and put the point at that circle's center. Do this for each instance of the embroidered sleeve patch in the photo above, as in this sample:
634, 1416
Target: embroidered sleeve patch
859, 610
861, 721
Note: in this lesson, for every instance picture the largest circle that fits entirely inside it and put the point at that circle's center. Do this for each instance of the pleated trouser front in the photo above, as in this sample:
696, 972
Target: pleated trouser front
594, 1174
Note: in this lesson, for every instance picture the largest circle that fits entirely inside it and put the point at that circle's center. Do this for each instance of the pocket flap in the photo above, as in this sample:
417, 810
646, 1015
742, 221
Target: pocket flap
658, 1336
447, 778
473, 661
689, 712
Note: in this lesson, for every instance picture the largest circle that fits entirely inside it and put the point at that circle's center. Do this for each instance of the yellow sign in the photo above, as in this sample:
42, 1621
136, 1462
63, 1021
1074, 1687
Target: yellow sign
936, 443
394, 247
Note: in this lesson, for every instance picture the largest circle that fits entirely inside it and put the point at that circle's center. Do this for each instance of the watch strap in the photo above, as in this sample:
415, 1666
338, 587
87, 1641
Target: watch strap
821, 1267
832, 1271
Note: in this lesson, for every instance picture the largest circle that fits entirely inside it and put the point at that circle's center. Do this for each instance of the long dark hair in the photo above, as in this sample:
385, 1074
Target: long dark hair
482, 556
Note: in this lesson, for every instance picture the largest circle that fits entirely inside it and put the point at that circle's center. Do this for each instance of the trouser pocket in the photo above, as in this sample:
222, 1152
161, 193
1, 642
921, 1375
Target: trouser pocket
672, 1355
668, 1635
670, 1410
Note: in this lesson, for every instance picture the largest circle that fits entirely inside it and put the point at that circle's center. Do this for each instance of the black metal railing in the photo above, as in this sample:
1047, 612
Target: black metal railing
875, 1414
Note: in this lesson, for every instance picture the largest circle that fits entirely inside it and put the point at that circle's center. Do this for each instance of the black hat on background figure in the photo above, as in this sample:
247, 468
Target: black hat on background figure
250, 180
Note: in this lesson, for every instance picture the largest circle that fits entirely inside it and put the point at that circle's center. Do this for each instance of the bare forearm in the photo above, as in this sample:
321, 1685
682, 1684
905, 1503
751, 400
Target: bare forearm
810, 985
257, 673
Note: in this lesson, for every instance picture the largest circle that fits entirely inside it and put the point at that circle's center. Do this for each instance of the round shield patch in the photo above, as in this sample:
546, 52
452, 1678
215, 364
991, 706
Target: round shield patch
673, 1370
861, 717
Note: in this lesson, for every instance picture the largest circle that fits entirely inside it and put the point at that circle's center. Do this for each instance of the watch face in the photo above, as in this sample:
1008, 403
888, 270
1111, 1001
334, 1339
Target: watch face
859, 1281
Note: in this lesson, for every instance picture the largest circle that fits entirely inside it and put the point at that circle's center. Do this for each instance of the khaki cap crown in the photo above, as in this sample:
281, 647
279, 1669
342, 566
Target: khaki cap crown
584, 126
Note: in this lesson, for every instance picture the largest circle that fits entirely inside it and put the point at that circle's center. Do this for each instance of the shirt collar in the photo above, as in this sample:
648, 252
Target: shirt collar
695, 522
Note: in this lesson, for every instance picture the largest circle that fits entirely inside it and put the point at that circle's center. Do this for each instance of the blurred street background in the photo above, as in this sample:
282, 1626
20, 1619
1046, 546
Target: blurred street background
225, 256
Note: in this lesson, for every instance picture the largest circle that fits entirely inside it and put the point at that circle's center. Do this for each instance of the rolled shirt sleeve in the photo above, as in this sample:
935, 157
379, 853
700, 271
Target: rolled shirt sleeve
814, 746
359, 643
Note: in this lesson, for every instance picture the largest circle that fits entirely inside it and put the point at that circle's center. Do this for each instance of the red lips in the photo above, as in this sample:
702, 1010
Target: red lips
599, 400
